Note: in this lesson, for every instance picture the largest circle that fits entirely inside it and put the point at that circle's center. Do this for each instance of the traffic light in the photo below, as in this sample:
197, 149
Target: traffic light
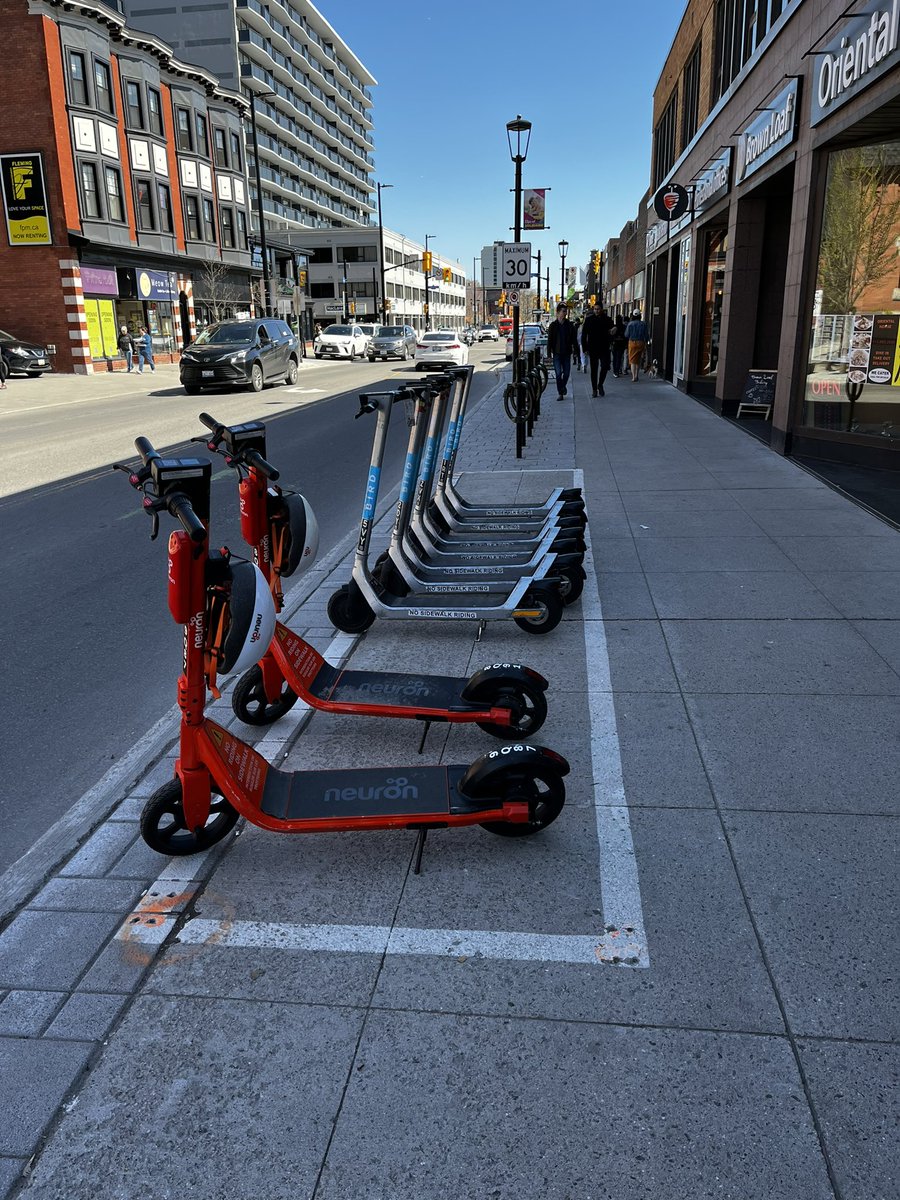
301, 279
425, 308
593, 301
502, 299
595, 261
447, 275
352, 307
387, 306
426, 262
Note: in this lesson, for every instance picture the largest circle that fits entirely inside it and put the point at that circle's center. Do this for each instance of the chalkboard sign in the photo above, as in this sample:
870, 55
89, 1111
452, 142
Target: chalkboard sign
759, 392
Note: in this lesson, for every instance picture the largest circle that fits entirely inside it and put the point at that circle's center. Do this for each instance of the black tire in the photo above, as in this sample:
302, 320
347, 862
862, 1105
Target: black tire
371, 358
405, 355
317, 355
572, 584
551, 604
163, 828
34, 374
293, 372
527, 704
542, 788
192, 389
250, 704
257, 380
347, 616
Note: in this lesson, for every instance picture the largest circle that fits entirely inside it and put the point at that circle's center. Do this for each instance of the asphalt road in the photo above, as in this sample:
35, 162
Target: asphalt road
91, 655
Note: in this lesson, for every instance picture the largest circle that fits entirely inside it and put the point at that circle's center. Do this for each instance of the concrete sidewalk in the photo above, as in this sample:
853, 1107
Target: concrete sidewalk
684, 987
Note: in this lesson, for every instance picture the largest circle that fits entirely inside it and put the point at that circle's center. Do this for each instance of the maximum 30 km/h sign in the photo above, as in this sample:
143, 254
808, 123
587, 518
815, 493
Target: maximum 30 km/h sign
516, 265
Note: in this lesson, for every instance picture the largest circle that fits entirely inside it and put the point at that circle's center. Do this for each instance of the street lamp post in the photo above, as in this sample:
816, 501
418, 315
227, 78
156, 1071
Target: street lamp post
381, 187
474, 289
264, 249
428, 237
563, 247
518, 131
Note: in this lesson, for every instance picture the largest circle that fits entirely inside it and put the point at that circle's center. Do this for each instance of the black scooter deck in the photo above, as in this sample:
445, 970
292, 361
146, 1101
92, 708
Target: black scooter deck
367, 792
390, 688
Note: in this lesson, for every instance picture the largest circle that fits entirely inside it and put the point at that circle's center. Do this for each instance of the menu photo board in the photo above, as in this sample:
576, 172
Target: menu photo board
874, 355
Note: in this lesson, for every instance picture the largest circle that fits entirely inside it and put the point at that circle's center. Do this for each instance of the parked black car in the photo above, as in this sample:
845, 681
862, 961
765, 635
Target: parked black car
27, 357
243, 353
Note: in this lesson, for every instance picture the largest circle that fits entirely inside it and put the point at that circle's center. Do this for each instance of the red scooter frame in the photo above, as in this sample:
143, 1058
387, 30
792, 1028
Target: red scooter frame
504, 699
512, 791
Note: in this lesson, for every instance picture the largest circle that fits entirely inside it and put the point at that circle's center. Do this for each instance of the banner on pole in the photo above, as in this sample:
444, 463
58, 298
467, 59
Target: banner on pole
534, 208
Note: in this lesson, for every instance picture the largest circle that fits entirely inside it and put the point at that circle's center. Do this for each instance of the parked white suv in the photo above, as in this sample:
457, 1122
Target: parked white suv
341, 341
488, 333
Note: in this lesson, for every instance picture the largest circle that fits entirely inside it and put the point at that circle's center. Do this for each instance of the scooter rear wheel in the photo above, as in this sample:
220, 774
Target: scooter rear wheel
527, 705
163, 827
347, 616
550, 604
251, 705
544, 792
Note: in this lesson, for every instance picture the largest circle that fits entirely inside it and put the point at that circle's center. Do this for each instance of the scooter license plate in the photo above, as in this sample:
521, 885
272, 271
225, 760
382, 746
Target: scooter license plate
208, 374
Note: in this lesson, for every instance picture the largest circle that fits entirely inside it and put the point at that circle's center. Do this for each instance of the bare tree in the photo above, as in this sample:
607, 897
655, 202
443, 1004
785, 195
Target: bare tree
860, 227
218, 293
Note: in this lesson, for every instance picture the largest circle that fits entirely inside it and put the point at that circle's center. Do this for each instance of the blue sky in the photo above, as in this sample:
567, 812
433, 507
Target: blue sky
450, 75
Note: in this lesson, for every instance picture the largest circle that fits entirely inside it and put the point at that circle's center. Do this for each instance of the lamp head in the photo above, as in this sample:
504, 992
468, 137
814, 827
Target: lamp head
518, 131
563, 247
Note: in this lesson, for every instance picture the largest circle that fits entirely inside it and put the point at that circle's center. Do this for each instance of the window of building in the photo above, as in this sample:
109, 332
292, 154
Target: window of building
690, 91
235, 152
183, 132
78, 92
714, 292
89, 194
192, 217
115, 207
164, 199
664, 142
209, 220
103, 86
852, 370
740, 26
354, 254
321, 291
219, 146
242, 229
134, 108
202, 135
226, 217
154, 111
325, 254
144, 204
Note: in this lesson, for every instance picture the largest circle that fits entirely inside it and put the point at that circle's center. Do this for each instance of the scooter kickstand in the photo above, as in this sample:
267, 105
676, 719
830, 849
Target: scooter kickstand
481, 625
420, 846
424, 736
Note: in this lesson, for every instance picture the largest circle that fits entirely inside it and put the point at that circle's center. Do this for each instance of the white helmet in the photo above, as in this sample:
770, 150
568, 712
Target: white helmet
251, 625
303, 535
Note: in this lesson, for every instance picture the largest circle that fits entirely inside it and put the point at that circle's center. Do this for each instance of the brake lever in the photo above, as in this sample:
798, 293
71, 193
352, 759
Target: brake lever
151, 508
136, 478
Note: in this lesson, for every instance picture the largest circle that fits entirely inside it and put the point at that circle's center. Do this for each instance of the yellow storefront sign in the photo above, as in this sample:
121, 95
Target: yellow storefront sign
101, 327
25, 200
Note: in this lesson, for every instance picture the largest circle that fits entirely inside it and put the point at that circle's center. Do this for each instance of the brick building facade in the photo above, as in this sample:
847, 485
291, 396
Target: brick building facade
144, 170
781, 124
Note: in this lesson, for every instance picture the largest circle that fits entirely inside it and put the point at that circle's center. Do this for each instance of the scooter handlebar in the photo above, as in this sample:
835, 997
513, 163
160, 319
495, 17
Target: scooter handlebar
253, 458
145, 449
210, 422
180, 508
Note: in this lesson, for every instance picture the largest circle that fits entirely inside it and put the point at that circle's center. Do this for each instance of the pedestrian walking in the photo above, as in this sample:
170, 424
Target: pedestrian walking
4, 373
145, 350
595, 340
619, 344
126, 347
562, 346
638, 335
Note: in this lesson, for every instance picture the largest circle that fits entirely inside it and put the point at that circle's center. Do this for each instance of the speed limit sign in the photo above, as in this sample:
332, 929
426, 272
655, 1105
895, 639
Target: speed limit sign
516, 265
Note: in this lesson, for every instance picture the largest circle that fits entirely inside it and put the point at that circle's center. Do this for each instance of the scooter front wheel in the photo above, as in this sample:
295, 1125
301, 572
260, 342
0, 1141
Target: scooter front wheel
251, 705
527, 705
571, 584
163, 827
346, 615
542, 789
550, 606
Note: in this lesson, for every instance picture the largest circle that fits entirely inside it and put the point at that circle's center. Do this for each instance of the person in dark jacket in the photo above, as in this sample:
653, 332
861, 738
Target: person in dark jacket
619, 346
126, 346
595, 343
562, 345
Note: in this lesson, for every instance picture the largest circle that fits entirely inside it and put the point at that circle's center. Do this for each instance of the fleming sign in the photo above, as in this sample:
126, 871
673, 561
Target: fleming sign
866, 48
769, 134
25, 200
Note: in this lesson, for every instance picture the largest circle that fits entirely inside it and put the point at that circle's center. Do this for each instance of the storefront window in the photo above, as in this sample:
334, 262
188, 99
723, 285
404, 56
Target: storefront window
684, 272
711, 317
853, 374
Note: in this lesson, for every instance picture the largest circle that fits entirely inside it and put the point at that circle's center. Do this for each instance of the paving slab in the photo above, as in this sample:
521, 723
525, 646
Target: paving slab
87, 1016
661, 765
859, 594
877, 552
855, 1088
245, 1075
710, 1115
662, 522
50, 950
10, 1170
38, 1072
25, 1013
826, 754
823, 890
742, 594
639, 659
710, 553
781, 657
